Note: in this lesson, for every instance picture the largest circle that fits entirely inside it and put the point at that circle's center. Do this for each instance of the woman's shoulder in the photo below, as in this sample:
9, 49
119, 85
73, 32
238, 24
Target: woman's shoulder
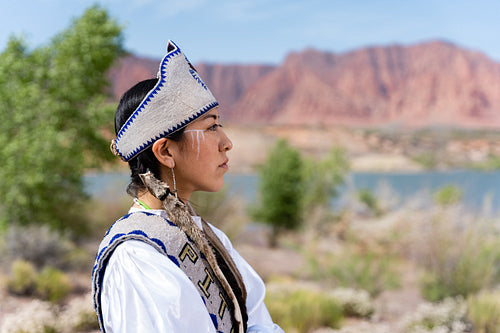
137, 258
135, 246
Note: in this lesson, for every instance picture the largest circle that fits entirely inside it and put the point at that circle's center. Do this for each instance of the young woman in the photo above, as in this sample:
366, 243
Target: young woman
162, 268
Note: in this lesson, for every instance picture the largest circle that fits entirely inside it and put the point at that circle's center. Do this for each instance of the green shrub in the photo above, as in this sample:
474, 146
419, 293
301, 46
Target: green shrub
371, 272
23, 278
367, 198
448, 195
52, 284
303, 310
435, 289
323, 179
463, 269
484, 312
459, 254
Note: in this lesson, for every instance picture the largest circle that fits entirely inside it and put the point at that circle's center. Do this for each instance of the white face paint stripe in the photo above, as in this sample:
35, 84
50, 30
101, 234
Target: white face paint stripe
199, 133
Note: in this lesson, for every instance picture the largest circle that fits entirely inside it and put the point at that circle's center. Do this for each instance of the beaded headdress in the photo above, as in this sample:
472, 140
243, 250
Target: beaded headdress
179, 97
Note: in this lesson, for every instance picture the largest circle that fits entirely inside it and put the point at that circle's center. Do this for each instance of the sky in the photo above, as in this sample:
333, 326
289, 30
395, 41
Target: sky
265, 31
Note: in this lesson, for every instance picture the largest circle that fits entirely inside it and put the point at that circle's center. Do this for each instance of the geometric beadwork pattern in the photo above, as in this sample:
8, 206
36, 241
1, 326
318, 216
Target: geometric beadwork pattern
179, 97
170, 240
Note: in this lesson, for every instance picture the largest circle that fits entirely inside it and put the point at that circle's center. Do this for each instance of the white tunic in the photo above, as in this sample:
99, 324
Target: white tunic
143, 291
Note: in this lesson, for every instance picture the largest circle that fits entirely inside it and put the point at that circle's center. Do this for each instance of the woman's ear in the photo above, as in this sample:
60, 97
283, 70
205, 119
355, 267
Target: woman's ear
162, 153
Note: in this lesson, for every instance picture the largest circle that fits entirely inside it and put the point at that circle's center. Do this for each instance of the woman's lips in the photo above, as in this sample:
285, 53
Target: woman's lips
225, 165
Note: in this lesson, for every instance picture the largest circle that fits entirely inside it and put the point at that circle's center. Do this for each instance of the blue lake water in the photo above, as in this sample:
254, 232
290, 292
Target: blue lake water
480, 189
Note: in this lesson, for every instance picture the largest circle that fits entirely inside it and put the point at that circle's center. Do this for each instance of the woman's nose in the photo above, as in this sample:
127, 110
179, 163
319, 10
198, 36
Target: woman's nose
226, 144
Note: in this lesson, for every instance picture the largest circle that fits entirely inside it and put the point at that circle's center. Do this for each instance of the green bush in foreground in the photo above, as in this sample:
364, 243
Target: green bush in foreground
462, 271
484, 312
460, 254
23, 278
52, 284
365, 271
303, 310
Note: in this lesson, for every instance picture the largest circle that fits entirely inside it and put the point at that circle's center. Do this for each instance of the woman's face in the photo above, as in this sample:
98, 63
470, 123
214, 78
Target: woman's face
201, 161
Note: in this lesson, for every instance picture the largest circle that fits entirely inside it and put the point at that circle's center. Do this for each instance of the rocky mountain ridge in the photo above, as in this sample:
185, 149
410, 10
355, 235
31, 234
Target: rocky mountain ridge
434, 84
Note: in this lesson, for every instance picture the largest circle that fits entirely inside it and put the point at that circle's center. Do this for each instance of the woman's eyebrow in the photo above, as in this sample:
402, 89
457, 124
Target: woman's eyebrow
207, 116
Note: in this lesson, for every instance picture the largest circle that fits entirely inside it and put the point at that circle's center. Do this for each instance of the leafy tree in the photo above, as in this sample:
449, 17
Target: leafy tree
323, 178
281, 185
53, 109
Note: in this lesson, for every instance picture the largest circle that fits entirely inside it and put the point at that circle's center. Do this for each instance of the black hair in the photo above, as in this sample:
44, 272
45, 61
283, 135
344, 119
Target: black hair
145, 160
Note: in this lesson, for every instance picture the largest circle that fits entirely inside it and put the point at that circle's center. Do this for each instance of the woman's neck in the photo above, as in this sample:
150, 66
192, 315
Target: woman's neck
148, 200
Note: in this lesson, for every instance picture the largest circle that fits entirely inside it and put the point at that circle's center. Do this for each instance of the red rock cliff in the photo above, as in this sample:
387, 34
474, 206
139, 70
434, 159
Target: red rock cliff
429, 84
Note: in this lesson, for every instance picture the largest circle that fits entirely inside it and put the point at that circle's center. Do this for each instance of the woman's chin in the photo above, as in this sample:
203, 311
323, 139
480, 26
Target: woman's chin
211, 189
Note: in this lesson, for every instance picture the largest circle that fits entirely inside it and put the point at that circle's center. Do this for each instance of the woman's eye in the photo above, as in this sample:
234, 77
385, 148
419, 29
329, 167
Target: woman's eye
214, 127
